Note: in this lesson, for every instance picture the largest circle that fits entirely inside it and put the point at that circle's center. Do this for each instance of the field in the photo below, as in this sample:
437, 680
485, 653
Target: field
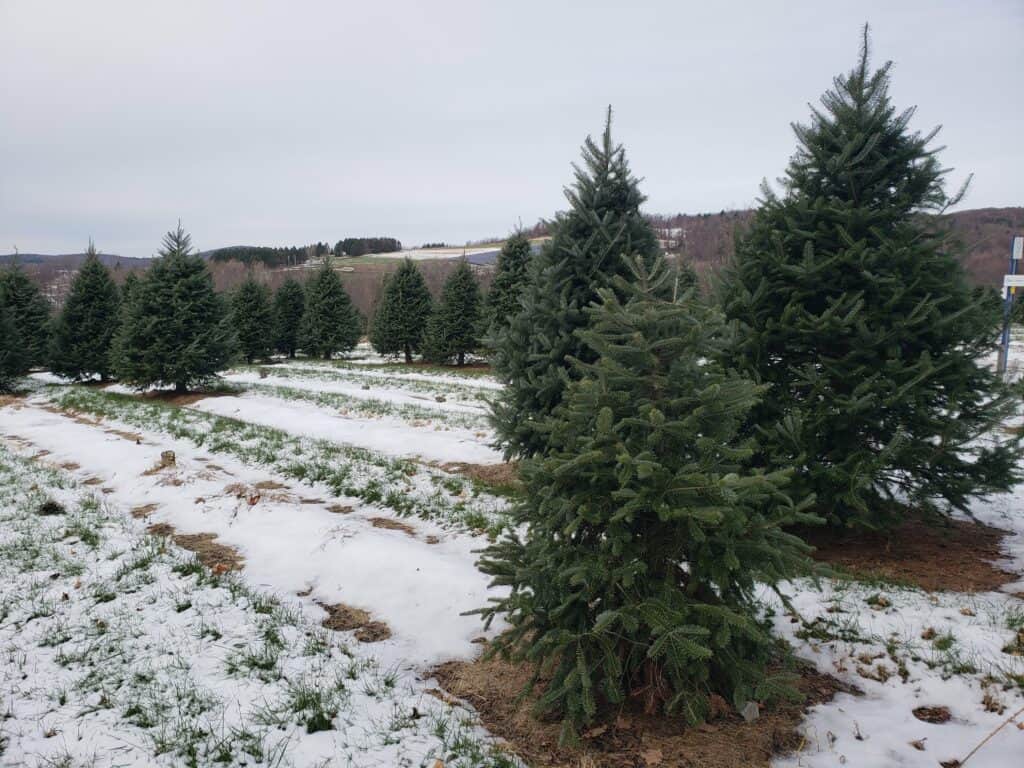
279, 573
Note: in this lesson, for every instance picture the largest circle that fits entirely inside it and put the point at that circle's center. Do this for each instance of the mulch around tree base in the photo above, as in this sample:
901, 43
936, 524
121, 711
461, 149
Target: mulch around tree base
628, 738
952, 555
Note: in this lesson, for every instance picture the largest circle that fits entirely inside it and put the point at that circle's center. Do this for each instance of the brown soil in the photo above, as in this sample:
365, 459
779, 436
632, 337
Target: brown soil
345, 618
143, 511
629, 739
392, 525
6, 400
181, 400
506, 474
956, 555
933, 714
215, 556
92, 481
71, 466
311, 501
269, 485
339, 509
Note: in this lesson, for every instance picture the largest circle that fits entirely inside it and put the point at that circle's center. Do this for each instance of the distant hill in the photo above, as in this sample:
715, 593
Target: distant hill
73, 260
708, 239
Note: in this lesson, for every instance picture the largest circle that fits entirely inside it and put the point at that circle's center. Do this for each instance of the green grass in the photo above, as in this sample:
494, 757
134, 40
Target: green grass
400, 485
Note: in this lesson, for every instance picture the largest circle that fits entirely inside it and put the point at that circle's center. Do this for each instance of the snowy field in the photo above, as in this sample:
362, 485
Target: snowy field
335, 487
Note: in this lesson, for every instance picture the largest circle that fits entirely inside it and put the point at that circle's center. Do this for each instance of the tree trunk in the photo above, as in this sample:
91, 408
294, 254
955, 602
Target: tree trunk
408, 353
462, 358
291, 353
180, 388
327, 355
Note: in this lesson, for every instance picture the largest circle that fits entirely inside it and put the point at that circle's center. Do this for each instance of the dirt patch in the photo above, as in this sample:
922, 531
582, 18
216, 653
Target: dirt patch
143, 511
166, 461
954, 555
269, 485
500, 475
183, 399
134, 437
218, 557
339, 509
70, 466
253, 494
628, 738
392, 525
6, 400
50, 507
935, 715
92, 481
345, 618
311, 501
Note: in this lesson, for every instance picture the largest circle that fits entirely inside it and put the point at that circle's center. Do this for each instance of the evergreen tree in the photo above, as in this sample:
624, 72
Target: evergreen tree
587, 249
252, 318
289, 307
331, 323
84, 330
452, 329
502, 303
131, 282
646, 532
175, 329
30, 312
855, 311
13, 362
402, 314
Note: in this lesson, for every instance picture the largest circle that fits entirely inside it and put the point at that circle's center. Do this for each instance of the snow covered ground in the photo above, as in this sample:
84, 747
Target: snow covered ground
324, 478
119, 649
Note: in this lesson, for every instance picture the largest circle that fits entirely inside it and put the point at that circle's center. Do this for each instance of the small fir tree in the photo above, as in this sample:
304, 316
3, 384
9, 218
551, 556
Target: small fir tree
289, 307
30, 312
13, 362
252, 318
453, 328
586, 252
175, 329
402, 313
85, 328
330, 323
856, 312
502, 303
646, 532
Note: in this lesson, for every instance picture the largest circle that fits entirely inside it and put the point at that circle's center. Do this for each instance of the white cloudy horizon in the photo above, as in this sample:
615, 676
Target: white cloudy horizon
264, 123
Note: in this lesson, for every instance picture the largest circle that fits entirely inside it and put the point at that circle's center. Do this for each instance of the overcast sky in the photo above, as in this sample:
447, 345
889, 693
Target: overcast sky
290, 122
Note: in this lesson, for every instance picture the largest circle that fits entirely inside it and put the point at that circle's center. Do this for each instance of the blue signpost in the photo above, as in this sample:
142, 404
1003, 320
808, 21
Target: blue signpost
1011, 282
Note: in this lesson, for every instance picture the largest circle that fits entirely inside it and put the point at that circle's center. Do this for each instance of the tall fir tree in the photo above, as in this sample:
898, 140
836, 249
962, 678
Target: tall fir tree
511, 277
588, 248
646, 530
856, 313
330, 323
30, 312
175, 330
289, 307
402, 313
84, 330
252, 318
454, 325
13, 362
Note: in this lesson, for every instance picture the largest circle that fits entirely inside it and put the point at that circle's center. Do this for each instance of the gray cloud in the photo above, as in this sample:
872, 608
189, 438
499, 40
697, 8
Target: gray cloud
283, 123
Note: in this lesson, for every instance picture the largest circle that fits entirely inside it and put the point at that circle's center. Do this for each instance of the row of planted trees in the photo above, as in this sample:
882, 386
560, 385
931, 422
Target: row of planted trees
675, 448
168, 327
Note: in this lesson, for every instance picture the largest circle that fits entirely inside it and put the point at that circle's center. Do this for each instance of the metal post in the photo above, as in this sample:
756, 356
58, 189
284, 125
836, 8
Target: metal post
1016, 245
